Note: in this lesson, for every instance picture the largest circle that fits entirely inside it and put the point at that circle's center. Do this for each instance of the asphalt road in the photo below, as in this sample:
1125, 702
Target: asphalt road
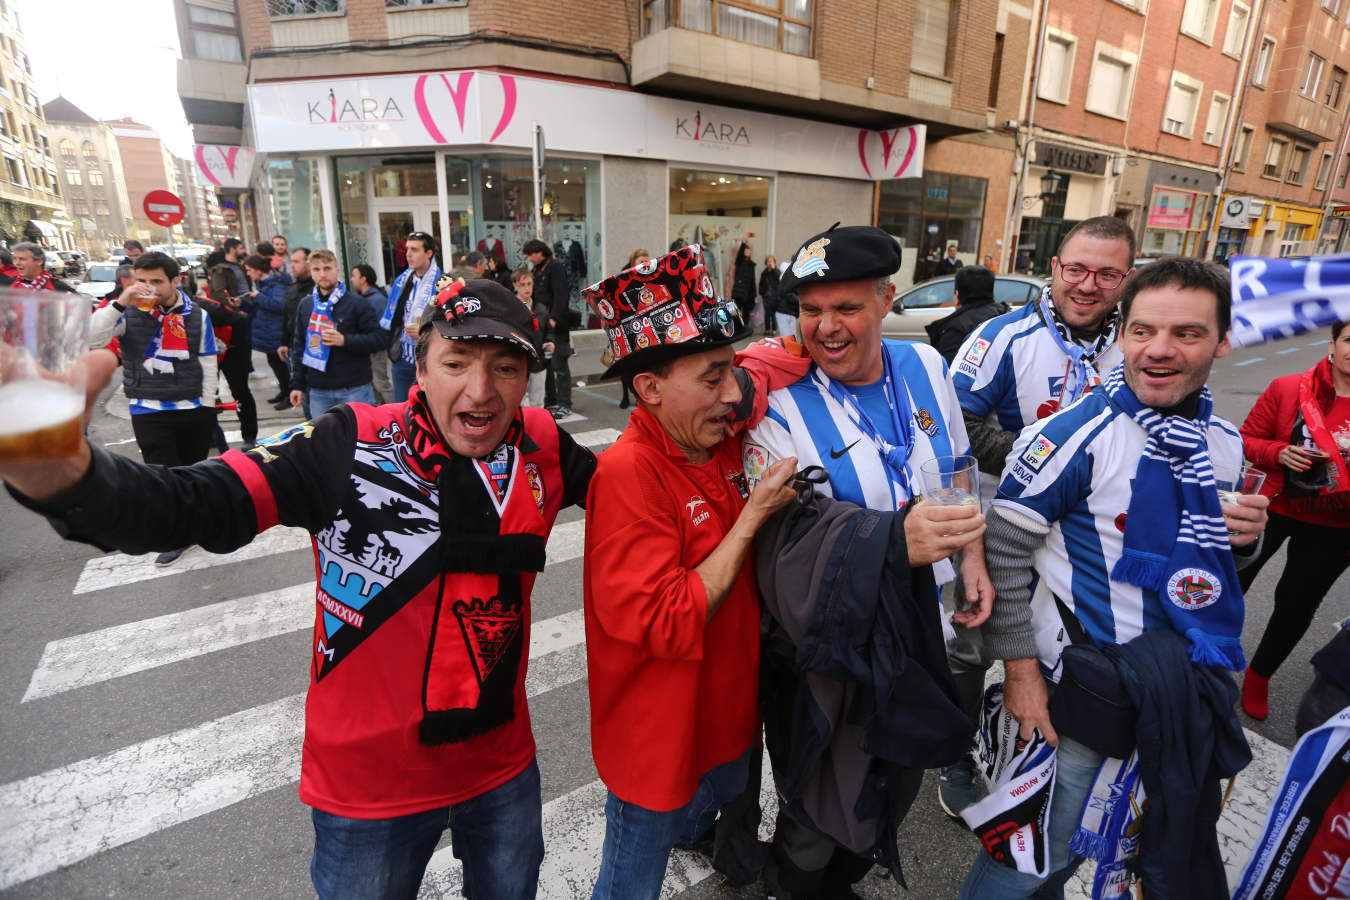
151, 736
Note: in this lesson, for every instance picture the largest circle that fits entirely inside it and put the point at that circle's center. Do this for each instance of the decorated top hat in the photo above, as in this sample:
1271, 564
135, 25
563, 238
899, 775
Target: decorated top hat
663, 309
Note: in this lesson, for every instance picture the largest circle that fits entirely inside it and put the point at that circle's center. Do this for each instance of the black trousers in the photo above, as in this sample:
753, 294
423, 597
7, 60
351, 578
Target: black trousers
558, 381
178, 437
1317, 557
235, 369
280, 371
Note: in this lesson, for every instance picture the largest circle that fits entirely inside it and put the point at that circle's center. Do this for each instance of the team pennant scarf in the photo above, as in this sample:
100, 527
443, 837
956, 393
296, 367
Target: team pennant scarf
1280, 298
1304, 851
1013, 821
1082, 374
41, 283
1110, 827
1176, 542
170, 341
316, 351
426, 289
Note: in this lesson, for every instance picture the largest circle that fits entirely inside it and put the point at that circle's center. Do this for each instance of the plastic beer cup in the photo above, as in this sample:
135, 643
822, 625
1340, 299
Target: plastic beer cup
43, 336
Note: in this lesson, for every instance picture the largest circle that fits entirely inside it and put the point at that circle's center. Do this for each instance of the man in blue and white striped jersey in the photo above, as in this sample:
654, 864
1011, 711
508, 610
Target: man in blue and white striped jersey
1018, 368
870, 412
1107, 524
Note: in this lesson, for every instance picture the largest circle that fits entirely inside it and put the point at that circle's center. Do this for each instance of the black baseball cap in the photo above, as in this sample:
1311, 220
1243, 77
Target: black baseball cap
850, 253
480, 309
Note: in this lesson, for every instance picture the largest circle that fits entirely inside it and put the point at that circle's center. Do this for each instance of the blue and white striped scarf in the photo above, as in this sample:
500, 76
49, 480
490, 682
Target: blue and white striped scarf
1081, 375
1176, 542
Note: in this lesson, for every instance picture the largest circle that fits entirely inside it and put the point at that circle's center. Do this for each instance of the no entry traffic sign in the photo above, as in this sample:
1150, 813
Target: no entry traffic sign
163, 208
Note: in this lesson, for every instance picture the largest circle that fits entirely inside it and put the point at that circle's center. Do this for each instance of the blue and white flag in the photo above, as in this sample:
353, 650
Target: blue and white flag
1280, 298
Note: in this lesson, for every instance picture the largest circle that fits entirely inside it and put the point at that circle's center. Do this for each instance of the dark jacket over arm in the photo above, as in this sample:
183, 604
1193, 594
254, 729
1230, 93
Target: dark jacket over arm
857, 695
348, 365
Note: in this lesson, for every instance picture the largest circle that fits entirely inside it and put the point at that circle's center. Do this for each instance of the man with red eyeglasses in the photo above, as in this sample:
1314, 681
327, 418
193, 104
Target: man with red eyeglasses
1023, 366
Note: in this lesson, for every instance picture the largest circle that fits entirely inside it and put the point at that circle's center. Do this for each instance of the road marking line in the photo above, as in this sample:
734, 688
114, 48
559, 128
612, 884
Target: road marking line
118, 569
1288, 350
574, 836
130, 440
59, 817
1248, 362
570, 418
85, 659
597, 437
590, 393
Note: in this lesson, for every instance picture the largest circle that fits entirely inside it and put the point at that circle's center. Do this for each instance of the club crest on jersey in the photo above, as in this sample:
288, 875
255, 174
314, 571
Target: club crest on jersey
1193, 589
1039, 451
756, 460
975, 355
535, 479
811, 259
924, 419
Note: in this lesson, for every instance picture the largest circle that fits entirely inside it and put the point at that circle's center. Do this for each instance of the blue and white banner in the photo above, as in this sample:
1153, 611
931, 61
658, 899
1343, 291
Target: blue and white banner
1280, 298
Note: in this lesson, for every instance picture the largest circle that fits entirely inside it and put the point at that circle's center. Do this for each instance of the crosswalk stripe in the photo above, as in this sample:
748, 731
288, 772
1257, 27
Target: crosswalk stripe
570, 418
574, 835
86, 659
597, 437
59, 817
116, 569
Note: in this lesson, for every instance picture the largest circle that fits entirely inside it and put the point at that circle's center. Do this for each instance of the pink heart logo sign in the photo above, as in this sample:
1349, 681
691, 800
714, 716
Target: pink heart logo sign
226, 155
459, 95
890, 152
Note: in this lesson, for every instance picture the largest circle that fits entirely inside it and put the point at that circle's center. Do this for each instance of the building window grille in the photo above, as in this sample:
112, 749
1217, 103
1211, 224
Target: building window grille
298, 9
784, 25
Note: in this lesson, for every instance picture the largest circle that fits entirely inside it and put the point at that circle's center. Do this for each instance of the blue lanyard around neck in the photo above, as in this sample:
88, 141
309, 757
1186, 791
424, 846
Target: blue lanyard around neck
894, 456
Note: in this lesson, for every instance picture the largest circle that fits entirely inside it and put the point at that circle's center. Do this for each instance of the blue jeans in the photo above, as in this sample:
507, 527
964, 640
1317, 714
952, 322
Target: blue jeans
498, 836
404, 376
321, 400
1075, 770
638, 841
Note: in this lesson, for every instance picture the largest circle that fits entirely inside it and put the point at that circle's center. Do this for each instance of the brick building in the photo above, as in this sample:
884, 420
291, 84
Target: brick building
147, 165
91, 175
710, 120
1291, 132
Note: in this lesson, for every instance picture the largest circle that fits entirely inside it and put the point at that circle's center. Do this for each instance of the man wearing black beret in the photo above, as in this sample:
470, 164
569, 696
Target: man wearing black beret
870, 412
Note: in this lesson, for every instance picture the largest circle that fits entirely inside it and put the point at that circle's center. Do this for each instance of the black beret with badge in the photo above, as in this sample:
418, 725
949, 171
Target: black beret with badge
480, 308
842, 254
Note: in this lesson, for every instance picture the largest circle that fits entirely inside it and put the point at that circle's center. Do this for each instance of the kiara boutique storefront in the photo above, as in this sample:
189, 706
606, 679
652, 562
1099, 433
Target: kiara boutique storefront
358, 164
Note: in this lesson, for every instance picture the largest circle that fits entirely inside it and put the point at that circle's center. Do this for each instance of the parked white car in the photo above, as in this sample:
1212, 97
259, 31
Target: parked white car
925, 303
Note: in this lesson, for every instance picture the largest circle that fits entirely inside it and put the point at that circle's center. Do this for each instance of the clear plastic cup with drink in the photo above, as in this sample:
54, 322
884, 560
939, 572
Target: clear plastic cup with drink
1231, 485
951, 481
43, 335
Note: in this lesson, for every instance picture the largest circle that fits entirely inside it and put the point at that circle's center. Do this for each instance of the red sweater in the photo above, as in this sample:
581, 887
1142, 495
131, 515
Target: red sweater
672, 694
1267, 431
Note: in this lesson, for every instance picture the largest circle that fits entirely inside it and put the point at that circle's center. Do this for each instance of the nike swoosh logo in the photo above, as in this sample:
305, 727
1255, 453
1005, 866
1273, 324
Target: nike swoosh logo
835, 454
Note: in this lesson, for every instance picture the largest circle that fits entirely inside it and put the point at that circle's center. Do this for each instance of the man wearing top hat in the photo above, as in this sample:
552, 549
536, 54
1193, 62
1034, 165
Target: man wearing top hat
430, 519
672, 612
870, 411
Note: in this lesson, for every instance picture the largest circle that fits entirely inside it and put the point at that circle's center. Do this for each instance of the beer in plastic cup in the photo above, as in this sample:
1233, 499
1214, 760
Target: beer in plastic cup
43, 335
951, 481
1247, 480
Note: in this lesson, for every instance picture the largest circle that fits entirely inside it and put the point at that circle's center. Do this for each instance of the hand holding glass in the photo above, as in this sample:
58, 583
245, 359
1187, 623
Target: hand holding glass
43, 334
952, 481
1247, 480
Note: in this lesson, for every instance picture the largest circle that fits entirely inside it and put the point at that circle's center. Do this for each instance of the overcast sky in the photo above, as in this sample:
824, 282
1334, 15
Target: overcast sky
111, 58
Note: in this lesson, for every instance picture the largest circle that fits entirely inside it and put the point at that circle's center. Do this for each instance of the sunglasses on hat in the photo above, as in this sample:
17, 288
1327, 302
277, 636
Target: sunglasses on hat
718, 321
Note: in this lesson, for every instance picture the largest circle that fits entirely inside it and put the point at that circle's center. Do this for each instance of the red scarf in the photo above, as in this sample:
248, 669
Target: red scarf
42, 283
1317, 389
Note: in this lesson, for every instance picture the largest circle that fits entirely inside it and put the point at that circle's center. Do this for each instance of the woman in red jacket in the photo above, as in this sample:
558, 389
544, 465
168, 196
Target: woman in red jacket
1298, 433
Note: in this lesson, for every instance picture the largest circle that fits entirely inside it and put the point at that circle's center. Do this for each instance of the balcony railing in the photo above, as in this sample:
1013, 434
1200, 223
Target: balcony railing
784, 25
298, 9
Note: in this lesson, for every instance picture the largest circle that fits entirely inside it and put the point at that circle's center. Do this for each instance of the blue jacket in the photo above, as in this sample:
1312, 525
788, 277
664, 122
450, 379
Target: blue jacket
265, 311
348, 365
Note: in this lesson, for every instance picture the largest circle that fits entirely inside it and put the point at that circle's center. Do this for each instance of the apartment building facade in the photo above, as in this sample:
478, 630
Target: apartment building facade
663, 120
90, 172
31, 207
147, 165
1290, 134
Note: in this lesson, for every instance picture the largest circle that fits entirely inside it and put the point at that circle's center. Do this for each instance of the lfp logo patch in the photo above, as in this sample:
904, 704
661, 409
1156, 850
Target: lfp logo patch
1192, 589
811, 259
975, 355
1039, 451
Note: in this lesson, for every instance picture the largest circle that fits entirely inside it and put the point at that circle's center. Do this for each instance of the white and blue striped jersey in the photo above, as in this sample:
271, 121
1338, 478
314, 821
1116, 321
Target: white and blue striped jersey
1074, 473
804, 421
1010, 371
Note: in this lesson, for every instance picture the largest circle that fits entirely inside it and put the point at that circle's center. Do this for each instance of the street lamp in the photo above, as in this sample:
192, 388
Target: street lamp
1050, 183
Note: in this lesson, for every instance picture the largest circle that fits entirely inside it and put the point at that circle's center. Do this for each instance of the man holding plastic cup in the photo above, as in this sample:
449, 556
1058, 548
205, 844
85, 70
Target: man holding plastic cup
1108, 532
871, 413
